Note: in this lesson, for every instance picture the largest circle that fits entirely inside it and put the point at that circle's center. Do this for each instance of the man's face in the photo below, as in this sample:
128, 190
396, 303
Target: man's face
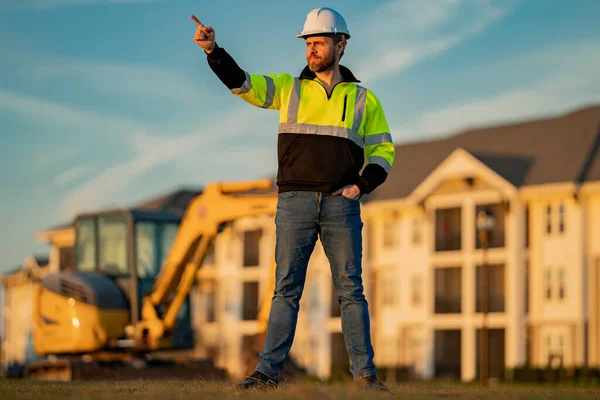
321, 53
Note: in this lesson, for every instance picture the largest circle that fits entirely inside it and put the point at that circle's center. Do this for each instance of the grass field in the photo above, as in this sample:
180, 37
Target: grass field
18, 389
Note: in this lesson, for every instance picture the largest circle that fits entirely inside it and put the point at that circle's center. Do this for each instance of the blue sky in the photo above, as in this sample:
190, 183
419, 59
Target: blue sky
106, 102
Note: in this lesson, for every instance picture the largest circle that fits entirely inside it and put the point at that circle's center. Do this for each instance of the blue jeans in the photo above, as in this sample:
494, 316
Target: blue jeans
301, 218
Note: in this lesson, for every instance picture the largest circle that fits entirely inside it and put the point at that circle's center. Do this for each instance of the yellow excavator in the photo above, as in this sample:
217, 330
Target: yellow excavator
129, 293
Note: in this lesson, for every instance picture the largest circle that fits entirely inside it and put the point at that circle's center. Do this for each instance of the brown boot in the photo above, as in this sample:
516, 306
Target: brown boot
371, 383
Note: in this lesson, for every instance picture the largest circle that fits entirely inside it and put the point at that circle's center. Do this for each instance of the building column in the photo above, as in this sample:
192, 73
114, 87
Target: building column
593, 314
428, 351
468, 291
468, 352
515, 285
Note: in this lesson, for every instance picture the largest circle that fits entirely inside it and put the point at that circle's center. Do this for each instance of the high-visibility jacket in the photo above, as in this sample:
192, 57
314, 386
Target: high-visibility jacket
323, 137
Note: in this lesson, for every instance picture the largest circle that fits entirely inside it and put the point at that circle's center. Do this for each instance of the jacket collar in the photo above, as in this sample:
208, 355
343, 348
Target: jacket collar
347, 75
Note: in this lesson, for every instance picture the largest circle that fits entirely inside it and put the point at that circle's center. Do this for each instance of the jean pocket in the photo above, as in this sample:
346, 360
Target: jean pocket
287, 195
350, 199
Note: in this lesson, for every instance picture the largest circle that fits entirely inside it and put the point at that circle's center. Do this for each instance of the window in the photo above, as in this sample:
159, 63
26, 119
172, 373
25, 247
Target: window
66, 258
153, 244
389, 288
252, 248
250, 299
146, 249
495, 284
447, 353
561, 222
561, 283
561, 343
209, 296
496, 235
389, 234
167, 237
86, 245
112, 245
416, 231
448, 285
549, 219
209, 258
448, 229
548, 284
417, 290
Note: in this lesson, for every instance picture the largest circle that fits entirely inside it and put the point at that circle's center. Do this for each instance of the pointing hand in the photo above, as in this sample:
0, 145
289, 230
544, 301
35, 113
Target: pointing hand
205, 35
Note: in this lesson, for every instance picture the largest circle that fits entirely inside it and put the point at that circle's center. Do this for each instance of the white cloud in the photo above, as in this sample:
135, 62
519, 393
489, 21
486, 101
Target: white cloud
120, 78
36, 5
57, 155
404, 32
71, 175
151, 150
568, 79
50, 112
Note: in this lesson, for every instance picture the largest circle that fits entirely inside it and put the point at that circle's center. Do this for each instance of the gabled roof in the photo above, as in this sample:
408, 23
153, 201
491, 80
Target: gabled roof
565, 148
175, 201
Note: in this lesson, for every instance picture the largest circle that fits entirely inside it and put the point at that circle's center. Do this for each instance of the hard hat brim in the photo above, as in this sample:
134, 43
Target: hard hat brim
304, 35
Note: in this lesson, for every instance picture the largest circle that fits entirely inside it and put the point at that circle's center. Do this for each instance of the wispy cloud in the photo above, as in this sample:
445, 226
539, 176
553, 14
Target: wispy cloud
58, 155
71, 175
569, 79
140, 81
152, 150
48, 111
37, 5
410, 31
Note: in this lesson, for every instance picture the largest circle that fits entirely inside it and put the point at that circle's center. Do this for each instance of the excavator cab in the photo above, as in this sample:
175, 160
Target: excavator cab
118, 255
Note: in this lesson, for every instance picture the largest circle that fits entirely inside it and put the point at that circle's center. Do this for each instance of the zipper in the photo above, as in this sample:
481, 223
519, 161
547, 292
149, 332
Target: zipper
332, 89
344, 109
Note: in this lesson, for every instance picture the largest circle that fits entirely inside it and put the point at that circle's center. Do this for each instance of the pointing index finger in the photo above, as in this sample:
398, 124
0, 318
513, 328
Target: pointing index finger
193, 17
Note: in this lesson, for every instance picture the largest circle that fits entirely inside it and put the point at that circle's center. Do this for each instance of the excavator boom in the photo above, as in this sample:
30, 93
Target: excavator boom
218, 204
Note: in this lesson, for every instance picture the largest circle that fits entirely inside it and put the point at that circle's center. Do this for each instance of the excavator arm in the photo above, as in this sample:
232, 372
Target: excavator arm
218, 204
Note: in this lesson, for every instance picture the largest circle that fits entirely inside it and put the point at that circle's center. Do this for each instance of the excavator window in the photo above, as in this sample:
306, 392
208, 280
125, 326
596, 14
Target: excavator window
86, 245
153, 241
102, 245
112, 245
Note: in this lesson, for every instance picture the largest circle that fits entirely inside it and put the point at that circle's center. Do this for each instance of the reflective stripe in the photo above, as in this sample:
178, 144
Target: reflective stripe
325, 130
270, 92
382, 162
294, 104
246, 86
359, 107
378, 138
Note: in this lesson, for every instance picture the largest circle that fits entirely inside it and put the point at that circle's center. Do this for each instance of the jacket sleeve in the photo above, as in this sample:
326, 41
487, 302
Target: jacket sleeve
262, 91
379, 148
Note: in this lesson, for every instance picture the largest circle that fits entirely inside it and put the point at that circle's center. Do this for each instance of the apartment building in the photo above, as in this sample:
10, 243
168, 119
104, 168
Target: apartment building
541, 181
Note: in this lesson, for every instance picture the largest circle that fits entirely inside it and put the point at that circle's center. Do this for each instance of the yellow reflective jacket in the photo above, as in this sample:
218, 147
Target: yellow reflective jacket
323, 137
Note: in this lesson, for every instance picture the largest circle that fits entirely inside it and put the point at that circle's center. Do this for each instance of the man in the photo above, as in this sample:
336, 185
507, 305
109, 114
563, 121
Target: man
328, 124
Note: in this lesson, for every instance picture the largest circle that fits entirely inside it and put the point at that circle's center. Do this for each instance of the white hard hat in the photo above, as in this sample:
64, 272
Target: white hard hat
324, 20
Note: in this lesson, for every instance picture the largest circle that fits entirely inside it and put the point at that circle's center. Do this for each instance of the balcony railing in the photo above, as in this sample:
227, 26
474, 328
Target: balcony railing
447, 305
495, 304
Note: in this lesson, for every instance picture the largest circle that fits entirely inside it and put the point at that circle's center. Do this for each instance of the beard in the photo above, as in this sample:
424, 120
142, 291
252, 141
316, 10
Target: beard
321, 64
